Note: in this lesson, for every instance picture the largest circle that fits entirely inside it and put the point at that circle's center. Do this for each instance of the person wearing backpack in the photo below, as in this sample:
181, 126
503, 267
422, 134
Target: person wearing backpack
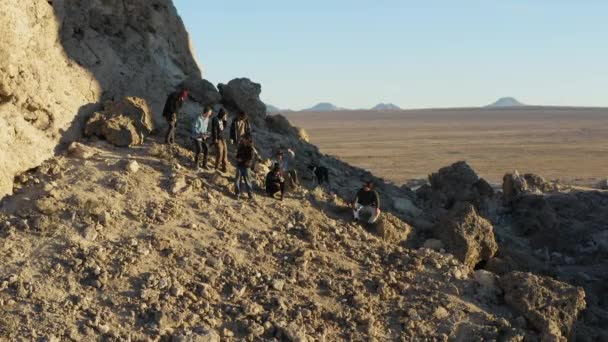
173, 104
218, 126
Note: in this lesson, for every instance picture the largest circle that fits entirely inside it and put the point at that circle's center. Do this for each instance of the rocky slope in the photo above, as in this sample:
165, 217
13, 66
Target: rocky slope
103, 243
59, 60
118, 244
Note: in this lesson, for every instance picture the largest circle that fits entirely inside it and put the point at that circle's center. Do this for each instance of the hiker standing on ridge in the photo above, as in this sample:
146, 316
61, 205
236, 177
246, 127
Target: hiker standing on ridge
200, 136
174, 103
275, 182
218, 126
367, 200
245, 156
239, 128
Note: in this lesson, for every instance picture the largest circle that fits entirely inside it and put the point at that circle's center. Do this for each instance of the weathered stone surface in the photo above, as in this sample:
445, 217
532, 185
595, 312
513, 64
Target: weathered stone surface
551, 306
123, 123
243, 94
465, 234
457, 183
58, 59
515, 185
78, 150
391, 229
202, 91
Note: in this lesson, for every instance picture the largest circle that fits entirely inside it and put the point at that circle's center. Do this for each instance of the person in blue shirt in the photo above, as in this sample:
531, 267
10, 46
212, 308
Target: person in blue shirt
200, 136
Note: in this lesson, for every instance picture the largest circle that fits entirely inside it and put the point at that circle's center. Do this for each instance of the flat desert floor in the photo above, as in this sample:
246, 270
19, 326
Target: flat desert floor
569, 144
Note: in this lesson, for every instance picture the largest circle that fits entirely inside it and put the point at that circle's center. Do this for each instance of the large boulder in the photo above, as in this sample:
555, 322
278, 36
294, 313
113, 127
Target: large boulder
391, 229
59, 59
123, 123
551, 306
201, 91
279, 124
465, 234
243, 94
459, 183
515, 185
532, 214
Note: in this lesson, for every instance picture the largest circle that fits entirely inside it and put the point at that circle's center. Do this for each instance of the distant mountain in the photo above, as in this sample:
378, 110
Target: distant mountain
272, 109
323, 107
506, 102
386, 106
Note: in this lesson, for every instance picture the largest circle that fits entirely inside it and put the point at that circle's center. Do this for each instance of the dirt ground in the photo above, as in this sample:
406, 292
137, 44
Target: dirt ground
569, 144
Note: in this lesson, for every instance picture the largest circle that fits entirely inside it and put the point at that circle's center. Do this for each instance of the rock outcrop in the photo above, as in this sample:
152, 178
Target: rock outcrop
202, 91
551, 306
241, 94
60, 59
456, 183
122, 123
468, 236
515, 185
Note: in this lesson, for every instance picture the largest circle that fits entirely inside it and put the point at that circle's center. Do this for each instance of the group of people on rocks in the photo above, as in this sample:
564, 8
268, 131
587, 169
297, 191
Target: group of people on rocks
282, 173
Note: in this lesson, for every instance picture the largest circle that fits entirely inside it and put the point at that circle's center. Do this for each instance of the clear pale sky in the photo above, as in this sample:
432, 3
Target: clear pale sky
415, 54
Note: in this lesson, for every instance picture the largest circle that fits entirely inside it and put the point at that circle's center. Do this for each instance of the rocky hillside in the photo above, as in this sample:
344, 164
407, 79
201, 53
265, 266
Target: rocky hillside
130, 244
107, 243
59, 61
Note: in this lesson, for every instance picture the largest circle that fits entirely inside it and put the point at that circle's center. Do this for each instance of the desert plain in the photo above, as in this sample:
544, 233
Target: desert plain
559, 143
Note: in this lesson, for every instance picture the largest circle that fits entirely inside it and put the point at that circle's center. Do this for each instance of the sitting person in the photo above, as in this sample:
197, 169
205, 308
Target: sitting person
287, 162
275, 182
367, 200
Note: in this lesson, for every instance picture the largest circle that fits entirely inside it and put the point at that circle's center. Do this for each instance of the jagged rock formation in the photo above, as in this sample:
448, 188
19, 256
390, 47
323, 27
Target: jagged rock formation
123, 123
243, 95
515, 185
469, 237
551, 306
60, 59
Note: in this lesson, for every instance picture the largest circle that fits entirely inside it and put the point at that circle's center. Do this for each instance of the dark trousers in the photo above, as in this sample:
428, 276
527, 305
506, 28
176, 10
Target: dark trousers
170, 137
273, 188
200, 146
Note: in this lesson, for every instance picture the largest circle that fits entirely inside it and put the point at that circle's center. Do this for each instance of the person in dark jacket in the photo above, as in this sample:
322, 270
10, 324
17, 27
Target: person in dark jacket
367, 201
275, 182
200, 135
239, 128
218, 126
245, 156
173, 104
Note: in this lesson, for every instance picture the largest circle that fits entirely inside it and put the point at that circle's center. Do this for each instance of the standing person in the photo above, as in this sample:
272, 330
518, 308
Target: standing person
239, 128
200, 136
289, 166
367, 200
275, 182
174, 103
244, 161
218, 126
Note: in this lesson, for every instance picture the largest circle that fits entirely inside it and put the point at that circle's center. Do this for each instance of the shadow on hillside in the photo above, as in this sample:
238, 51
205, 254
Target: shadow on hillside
138, 50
